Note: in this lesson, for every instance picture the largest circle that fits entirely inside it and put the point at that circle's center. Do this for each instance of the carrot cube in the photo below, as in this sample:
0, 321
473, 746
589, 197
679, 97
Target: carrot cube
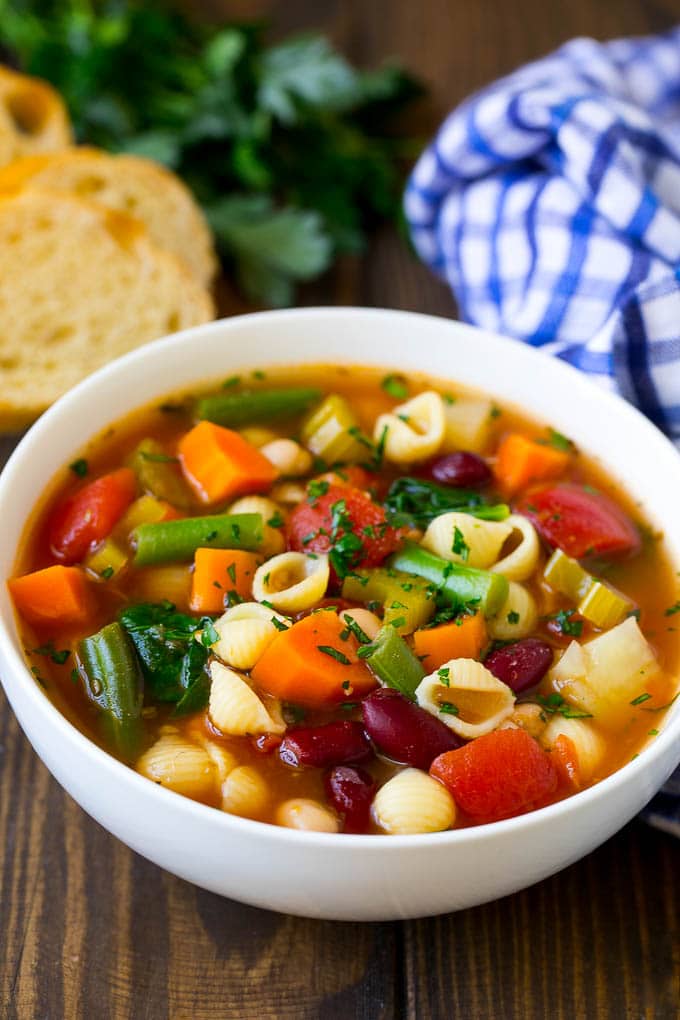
219, 464
217, 572
54, 595
460, 639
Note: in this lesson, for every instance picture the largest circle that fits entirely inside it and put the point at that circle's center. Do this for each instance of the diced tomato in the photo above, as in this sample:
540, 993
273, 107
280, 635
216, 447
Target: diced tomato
88, 516
579, 521
346, 520
499, 775
353, 475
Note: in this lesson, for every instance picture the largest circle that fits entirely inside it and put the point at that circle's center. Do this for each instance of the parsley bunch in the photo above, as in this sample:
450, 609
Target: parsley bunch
286, 147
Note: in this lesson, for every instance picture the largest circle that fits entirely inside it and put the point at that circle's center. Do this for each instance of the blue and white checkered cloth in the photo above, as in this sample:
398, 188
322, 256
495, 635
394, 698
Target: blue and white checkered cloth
550, 202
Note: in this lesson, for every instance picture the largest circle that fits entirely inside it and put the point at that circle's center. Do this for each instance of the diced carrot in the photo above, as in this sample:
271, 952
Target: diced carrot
314, 663
219, 464
520, 461
565, 759
54, 595
460, 639
217, 572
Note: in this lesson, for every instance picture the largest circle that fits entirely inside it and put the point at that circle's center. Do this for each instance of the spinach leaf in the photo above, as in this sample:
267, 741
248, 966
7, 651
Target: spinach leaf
414, 502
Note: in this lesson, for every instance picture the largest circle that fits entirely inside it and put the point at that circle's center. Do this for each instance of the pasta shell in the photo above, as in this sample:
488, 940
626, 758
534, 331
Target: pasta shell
223, 760
292, 581
479, 542
413, 802
180, 765
245, 793
467, 697
234, 707
308, 815
521, 562
412, 431
590, 746
517, 616
245, 631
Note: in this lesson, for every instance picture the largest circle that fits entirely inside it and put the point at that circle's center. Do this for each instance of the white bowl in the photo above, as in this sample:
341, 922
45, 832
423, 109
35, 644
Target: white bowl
316, 874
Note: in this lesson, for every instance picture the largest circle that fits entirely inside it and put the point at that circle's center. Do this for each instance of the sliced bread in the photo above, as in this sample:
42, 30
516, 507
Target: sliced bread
33, 117
128, 184
79, 285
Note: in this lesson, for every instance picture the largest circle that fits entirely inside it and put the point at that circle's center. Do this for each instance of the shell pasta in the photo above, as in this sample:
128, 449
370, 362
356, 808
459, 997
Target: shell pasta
343, 600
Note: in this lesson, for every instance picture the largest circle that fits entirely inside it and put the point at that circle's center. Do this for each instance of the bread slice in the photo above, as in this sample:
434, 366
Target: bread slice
131, 185
79, 285
33, 117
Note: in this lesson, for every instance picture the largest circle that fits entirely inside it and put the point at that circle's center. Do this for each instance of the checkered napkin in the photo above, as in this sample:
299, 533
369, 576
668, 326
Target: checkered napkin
550, 202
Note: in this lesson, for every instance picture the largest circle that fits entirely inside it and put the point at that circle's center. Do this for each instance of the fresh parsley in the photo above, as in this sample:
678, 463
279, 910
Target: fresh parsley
334, 653
395, 386
459, 545
79, 467
566, 624
554, 704
236, 118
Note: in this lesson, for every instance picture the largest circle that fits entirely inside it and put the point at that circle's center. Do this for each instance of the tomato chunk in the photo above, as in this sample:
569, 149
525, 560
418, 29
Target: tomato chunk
579, 521
88, 516
499, 775
344, 521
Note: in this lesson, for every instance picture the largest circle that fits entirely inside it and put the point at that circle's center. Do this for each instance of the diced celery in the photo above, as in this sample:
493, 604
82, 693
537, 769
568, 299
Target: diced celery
567, 576
403, 597
107, 560
458, 585
332, 432
159, 474
393, 662
145, 510
604, 606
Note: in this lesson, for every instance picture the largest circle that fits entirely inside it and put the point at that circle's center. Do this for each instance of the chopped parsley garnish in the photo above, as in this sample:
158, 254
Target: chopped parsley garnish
653, 733
395, 386
107, 573
79, 467
495, 412
641, 698
554, 704
279, 624
259, 374
232, 598
460, 546
209, 635
557, 441
51, 652
448, 708
235, 530
672, 610
400, 621
293, 714
231, 570
512, 617
334, 653
444, 675
276, 521
75, 676
354, 628
210, 537
563, 619
346, 546
232, 381
316, 489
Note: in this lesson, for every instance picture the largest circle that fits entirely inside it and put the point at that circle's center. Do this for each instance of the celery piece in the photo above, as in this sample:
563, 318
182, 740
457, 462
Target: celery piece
255, 407
457, 584
604, 606
113, 681
159, 474
331, 431
107, 560
177, 541
393, 662
145, 510
567, 576
408, 602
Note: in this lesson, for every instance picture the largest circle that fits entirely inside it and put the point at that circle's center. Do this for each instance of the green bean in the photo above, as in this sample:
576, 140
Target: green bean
456, 584
255, 407
113, 680
177, 541
393, 662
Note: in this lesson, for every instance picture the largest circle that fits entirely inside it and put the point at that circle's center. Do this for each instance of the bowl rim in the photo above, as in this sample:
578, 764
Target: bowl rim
189, 809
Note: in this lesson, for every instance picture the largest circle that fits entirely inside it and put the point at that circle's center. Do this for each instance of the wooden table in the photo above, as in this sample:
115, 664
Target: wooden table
90, 930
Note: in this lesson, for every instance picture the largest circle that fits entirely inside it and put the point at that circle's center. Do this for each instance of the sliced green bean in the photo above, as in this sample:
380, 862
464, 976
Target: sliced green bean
256, 407
456, 584
393, 662
113, 681
177, 541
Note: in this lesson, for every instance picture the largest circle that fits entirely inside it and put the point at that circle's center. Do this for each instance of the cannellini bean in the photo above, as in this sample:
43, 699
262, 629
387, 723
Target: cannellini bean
309, 815
291, 459
364, 618
290, 493
273, 541
258, 436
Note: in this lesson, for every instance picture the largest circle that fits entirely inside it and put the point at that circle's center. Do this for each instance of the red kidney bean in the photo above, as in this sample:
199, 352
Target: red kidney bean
462, 468
335, 743
522, 664
403, 731
350, 791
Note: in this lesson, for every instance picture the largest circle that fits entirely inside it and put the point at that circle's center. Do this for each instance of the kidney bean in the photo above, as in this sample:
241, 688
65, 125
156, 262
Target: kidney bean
350, 791
522, 664
464, 469
335, 743
403, 731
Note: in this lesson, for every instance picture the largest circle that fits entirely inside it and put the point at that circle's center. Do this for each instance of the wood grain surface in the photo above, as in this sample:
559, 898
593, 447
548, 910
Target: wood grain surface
90, 930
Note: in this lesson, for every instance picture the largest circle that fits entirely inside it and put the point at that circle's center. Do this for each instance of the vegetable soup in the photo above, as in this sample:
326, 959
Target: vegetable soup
348, 601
